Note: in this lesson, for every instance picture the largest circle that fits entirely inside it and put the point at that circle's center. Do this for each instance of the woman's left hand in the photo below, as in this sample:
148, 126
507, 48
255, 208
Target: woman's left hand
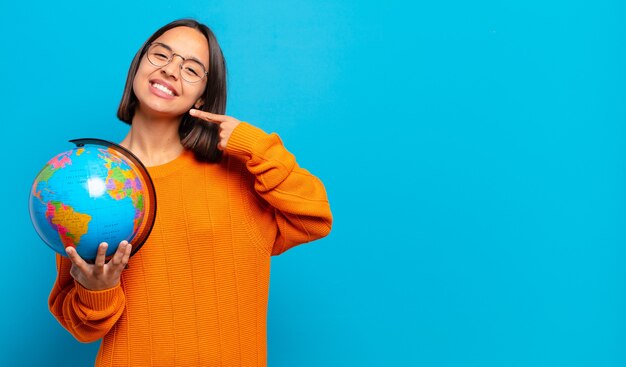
226, 124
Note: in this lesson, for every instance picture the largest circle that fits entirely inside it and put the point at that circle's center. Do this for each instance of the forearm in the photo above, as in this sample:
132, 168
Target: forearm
87, 315
298, 197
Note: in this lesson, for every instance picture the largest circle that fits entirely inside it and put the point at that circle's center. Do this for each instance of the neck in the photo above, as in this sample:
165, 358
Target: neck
153, 139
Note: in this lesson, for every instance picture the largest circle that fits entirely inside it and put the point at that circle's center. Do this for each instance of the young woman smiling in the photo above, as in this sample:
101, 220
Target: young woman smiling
229, 197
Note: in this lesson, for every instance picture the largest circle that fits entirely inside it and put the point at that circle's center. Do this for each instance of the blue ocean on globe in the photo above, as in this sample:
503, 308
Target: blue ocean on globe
89, 195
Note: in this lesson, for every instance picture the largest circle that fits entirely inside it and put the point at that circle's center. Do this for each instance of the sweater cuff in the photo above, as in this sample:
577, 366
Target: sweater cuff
243, 139
99, 300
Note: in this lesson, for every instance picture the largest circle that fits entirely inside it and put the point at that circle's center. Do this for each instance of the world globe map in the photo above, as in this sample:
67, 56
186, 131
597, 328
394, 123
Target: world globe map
96, 192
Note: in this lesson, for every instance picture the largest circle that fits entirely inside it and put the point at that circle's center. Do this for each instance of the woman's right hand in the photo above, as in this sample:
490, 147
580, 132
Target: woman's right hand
101, 274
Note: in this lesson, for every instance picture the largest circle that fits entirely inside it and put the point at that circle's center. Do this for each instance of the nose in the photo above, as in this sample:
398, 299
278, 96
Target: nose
173, 67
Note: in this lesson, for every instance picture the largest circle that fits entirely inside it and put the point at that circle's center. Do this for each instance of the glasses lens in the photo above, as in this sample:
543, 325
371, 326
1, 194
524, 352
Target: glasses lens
192, 71
159, 55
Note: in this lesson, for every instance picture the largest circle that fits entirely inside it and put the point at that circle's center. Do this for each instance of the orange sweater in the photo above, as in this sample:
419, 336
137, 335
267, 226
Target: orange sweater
196, 293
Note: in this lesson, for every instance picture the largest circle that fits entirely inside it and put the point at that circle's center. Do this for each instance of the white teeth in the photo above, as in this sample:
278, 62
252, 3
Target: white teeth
163, 88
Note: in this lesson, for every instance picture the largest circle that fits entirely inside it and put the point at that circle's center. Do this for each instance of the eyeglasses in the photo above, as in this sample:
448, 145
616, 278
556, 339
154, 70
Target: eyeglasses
159, 55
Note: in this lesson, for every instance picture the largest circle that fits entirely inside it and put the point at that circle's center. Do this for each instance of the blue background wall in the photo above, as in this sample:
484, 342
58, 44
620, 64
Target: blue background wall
473, 152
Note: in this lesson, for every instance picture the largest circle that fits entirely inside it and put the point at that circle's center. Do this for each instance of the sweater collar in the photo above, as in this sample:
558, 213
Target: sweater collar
183, 160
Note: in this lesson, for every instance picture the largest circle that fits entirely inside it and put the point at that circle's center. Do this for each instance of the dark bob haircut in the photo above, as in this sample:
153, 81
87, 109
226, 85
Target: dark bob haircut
196, 135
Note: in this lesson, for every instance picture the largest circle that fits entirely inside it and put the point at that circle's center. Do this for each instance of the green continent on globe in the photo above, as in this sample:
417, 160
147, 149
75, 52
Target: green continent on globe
70, 224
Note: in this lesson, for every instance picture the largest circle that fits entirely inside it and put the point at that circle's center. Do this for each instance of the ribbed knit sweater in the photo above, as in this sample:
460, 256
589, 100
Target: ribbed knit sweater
196, 293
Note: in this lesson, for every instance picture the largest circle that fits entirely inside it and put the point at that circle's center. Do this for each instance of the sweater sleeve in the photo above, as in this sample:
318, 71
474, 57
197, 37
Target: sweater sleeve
299, 199
87, 315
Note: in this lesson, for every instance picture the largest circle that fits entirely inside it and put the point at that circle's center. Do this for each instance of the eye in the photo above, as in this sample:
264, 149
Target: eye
191, 71
160, 56
192, 68
159, 53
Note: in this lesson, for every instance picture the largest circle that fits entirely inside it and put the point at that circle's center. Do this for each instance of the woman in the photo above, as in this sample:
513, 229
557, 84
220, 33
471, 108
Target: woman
229, 196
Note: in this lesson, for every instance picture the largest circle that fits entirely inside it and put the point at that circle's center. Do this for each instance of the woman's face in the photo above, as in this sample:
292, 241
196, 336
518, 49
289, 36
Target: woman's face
161, 90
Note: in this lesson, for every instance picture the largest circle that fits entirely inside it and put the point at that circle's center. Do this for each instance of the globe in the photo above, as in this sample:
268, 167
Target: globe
96, 192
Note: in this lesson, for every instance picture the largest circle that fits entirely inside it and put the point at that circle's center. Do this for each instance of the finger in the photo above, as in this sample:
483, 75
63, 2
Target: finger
129, 250
208, 116
123, 262
118, 258
75, 258
100, 258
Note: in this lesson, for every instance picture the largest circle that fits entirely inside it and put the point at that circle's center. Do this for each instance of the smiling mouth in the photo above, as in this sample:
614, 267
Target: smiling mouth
163, 88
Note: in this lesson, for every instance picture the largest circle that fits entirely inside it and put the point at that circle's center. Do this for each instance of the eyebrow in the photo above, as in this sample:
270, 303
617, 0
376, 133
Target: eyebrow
186, 57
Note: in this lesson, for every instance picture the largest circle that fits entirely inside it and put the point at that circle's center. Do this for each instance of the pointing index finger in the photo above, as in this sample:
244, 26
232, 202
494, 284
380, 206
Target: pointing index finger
208, 116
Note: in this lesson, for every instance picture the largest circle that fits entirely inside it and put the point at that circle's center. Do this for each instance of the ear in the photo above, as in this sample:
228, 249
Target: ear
199, 103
